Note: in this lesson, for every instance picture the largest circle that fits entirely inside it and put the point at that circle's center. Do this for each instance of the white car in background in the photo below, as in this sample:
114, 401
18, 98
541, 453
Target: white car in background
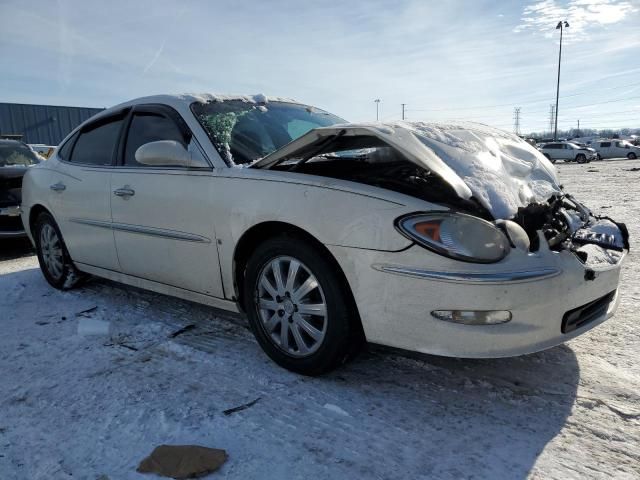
567, 151
453, 240
616, 149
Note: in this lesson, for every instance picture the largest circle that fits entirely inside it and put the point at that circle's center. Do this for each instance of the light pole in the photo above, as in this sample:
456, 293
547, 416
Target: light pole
377, 100
561, 25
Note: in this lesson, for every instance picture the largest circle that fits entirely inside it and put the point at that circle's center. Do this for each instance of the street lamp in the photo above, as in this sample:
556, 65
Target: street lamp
377, 100
561, 25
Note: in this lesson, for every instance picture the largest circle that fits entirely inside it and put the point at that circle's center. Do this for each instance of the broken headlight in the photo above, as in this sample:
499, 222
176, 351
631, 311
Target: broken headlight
456, 235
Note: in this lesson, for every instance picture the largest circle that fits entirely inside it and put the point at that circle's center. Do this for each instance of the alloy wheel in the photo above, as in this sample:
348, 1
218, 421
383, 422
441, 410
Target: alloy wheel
291, 306
51, 248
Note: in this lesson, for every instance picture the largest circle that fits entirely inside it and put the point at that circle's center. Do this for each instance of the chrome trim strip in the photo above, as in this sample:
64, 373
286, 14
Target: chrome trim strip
471, 277
154, 232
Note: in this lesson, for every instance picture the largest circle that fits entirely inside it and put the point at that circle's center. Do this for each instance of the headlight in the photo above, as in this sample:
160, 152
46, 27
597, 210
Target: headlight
456, 235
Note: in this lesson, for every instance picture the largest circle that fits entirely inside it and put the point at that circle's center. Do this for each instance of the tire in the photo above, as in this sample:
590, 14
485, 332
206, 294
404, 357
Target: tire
312, 344
552, 160
581, 158
598, 157
55, 263
632, 156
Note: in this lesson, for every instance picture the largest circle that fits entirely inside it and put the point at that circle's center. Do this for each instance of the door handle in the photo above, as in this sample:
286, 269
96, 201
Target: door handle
58, 187
124, 192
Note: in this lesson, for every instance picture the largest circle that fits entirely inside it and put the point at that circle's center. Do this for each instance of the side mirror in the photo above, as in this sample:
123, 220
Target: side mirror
627, 146
165, 153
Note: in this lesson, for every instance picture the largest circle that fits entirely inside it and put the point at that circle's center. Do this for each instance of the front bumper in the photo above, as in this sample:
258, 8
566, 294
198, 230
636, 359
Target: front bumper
11, 222
397, 291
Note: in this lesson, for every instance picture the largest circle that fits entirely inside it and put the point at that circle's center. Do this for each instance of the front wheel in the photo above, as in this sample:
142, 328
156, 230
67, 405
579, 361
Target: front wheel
53, 257
598, 157
581, 158
632, 156
299, 307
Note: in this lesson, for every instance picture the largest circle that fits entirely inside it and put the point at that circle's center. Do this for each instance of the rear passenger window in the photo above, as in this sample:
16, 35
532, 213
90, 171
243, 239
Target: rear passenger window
96, 143
605, 144
149, 127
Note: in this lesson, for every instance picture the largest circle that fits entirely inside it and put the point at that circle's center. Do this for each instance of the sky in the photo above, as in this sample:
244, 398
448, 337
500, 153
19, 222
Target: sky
473, 60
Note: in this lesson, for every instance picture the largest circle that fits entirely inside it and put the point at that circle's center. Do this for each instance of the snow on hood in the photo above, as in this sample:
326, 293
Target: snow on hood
503, 171
500, 170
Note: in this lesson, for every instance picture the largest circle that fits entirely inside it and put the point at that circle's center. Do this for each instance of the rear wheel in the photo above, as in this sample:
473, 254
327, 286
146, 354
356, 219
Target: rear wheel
598, 157
632, 156
552, 160
581, 158
299, 308
53, 257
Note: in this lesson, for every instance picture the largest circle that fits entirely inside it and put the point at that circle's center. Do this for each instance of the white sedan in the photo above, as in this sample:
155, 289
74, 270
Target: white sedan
453, 240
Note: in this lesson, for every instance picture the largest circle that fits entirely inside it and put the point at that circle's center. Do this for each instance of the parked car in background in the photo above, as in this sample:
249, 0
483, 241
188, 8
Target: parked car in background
616, 149
326, 233
15, 159
43, 150
567, 151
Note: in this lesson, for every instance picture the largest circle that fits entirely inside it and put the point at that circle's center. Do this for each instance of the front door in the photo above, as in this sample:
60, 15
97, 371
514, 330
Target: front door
162, 218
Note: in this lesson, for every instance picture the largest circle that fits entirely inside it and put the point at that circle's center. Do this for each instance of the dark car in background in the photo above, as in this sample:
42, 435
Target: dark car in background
15, 159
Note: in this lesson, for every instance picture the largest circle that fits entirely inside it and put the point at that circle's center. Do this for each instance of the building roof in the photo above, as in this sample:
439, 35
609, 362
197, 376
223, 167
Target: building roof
43, 124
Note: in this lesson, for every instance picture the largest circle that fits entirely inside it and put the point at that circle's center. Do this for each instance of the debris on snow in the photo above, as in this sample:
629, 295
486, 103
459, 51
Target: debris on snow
183, 461
92, 326
239, 408
85, 313
182, 330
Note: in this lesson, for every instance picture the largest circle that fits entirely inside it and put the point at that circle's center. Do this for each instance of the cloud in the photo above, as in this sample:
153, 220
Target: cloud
582, 15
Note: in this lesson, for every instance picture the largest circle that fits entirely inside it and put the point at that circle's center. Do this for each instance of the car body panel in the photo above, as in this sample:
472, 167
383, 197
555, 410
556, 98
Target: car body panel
158, 222
82, 209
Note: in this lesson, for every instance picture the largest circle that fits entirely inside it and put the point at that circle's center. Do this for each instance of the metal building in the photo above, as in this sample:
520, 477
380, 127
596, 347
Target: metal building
43, 124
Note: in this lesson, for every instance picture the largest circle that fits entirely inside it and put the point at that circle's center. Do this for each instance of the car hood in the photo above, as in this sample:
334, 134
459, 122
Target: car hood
499, 170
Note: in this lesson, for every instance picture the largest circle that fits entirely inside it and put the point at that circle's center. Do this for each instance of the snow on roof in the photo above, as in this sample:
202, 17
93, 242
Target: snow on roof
258, 98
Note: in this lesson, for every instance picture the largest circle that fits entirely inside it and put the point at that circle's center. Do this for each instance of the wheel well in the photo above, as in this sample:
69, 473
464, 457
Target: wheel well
261, 232
33, 215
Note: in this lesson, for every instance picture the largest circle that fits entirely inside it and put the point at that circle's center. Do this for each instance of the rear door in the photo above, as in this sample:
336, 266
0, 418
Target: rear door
81, 192
162, 216
604, 149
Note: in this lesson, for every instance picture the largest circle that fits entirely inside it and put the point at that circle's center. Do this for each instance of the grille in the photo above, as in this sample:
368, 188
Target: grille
581, 316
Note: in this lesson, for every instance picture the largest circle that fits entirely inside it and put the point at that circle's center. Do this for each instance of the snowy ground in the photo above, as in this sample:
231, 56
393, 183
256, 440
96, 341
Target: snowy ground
79, 401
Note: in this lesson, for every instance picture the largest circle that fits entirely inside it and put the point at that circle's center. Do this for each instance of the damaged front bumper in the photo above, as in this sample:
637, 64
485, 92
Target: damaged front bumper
396, 293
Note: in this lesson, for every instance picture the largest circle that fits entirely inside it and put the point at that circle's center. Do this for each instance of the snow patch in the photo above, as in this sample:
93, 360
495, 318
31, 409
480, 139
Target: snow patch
335, 409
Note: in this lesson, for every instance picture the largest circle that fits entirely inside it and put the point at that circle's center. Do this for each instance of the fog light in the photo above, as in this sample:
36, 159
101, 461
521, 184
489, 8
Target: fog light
472, 317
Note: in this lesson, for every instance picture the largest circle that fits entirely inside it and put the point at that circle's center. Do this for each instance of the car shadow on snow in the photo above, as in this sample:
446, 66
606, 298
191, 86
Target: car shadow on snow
387, 414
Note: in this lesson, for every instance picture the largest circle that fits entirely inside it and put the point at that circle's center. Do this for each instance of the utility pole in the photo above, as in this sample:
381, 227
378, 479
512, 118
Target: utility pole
578, 135
561, 25
377, 100
552, 114
403, 105
516, 120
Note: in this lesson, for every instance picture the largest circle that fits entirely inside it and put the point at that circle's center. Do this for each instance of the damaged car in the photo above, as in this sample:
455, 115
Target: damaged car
448, 239
15, 159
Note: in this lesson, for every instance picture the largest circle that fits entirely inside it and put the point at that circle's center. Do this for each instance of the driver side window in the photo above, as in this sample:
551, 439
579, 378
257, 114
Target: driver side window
149, 127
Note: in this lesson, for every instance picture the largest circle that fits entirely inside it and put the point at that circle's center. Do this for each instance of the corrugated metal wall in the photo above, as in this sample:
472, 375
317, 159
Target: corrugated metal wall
41, 123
